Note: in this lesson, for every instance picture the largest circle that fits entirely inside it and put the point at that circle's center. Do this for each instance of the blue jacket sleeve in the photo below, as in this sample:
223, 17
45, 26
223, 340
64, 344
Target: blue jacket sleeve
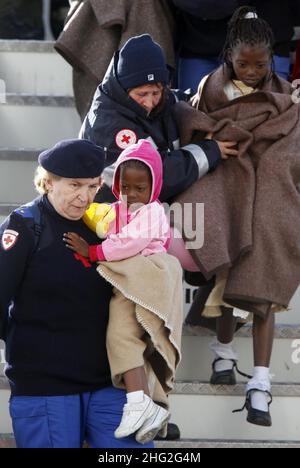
17, 243
182, 167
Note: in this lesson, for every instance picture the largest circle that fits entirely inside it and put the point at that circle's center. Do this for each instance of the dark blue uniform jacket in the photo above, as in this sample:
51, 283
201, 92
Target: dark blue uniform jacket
53, 308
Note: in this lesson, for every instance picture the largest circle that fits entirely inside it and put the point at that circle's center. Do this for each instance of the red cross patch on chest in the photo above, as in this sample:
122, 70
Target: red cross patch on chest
9, 238
125, 137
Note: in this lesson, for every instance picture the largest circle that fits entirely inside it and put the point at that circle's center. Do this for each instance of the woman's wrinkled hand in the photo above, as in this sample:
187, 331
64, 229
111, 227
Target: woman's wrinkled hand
74, 242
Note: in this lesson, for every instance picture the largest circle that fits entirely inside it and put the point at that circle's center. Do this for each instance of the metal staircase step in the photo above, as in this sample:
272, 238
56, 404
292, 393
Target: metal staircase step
8, 441
196, 387
203, 411
29, 99
17, 168
282, 331
10, 154
34, 67
39, 120
206, 443
16, 45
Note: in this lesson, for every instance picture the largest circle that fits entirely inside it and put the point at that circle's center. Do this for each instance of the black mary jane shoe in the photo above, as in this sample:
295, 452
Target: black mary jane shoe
172, 433
255, 416
225, 377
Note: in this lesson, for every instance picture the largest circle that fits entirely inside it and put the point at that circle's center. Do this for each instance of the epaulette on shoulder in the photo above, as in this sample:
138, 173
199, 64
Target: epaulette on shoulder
30, 210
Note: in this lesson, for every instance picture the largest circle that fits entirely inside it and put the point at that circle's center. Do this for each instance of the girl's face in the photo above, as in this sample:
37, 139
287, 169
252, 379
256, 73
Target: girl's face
135, 186
148, 96
250, 63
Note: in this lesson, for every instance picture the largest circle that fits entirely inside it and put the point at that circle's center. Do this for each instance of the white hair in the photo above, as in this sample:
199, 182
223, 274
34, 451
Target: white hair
41, 177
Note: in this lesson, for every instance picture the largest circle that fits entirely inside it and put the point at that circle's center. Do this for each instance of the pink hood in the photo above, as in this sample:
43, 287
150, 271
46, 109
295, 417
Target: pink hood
145, 152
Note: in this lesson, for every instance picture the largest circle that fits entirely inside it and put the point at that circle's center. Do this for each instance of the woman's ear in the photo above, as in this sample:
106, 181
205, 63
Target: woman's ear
48, 184
101, 182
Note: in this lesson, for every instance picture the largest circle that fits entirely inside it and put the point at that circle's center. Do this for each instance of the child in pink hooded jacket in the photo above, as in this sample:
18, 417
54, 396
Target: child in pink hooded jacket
139, 227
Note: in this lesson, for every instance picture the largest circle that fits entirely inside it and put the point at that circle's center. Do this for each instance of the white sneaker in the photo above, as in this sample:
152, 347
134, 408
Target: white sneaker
134, 416
153, 424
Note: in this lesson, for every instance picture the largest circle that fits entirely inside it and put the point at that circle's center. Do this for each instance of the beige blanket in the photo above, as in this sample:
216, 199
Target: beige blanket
154, 284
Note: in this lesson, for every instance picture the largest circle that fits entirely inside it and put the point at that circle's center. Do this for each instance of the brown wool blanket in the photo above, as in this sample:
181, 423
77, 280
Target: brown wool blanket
251, 203
154, 285
95, 29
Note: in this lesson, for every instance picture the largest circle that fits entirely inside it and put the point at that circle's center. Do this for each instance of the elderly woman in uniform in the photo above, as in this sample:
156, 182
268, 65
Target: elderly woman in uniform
54, 312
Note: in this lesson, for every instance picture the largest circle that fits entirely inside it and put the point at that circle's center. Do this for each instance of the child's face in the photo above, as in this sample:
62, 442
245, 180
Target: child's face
135, 186
250, 63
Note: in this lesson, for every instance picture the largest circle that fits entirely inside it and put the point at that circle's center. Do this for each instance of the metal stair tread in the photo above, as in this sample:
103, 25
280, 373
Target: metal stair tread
3, 383
19, 154
290, 331
6, 208
197, 387
8, 441
15, 45
25, 99
223, 443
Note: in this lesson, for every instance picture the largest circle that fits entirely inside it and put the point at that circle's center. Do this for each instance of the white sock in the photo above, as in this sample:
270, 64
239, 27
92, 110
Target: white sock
223, 364
261, 373
260, 380
224, 351
135, 397
259, 400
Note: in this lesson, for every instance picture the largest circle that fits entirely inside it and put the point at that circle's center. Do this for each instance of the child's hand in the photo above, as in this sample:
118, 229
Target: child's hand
75, 242
226, 147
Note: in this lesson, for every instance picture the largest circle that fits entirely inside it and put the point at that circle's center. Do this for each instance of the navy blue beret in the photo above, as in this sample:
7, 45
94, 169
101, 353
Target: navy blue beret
73, 159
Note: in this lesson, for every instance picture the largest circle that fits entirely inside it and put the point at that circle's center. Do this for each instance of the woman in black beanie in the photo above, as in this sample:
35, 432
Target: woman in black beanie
134, 102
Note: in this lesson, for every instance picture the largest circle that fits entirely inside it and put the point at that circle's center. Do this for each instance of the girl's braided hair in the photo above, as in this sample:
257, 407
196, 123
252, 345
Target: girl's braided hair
247, 31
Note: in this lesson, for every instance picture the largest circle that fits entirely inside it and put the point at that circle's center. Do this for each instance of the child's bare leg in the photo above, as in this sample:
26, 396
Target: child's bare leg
135, 379
223, 349
263, 334
226, 325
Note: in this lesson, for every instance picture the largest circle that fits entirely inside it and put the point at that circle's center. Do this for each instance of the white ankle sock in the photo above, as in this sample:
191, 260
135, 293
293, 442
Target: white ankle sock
259, 400
135, 397
224, 351
261, 373
222, 365
260, 380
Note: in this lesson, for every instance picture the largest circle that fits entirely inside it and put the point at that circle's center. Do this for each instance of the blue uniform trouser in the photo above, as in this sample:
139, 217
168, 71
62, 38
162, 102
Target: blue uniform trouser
67, 421
192, 70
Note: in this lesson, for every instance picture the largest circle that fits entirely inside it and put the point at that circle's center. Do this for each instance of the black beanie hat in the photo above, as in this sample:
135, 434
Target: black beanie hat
141, 61
75, 159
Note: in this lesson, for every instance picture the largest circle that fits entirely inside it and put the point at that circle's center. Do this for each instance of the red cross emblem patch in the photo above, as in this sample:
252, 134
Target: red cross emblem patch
125, 138
9, 238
